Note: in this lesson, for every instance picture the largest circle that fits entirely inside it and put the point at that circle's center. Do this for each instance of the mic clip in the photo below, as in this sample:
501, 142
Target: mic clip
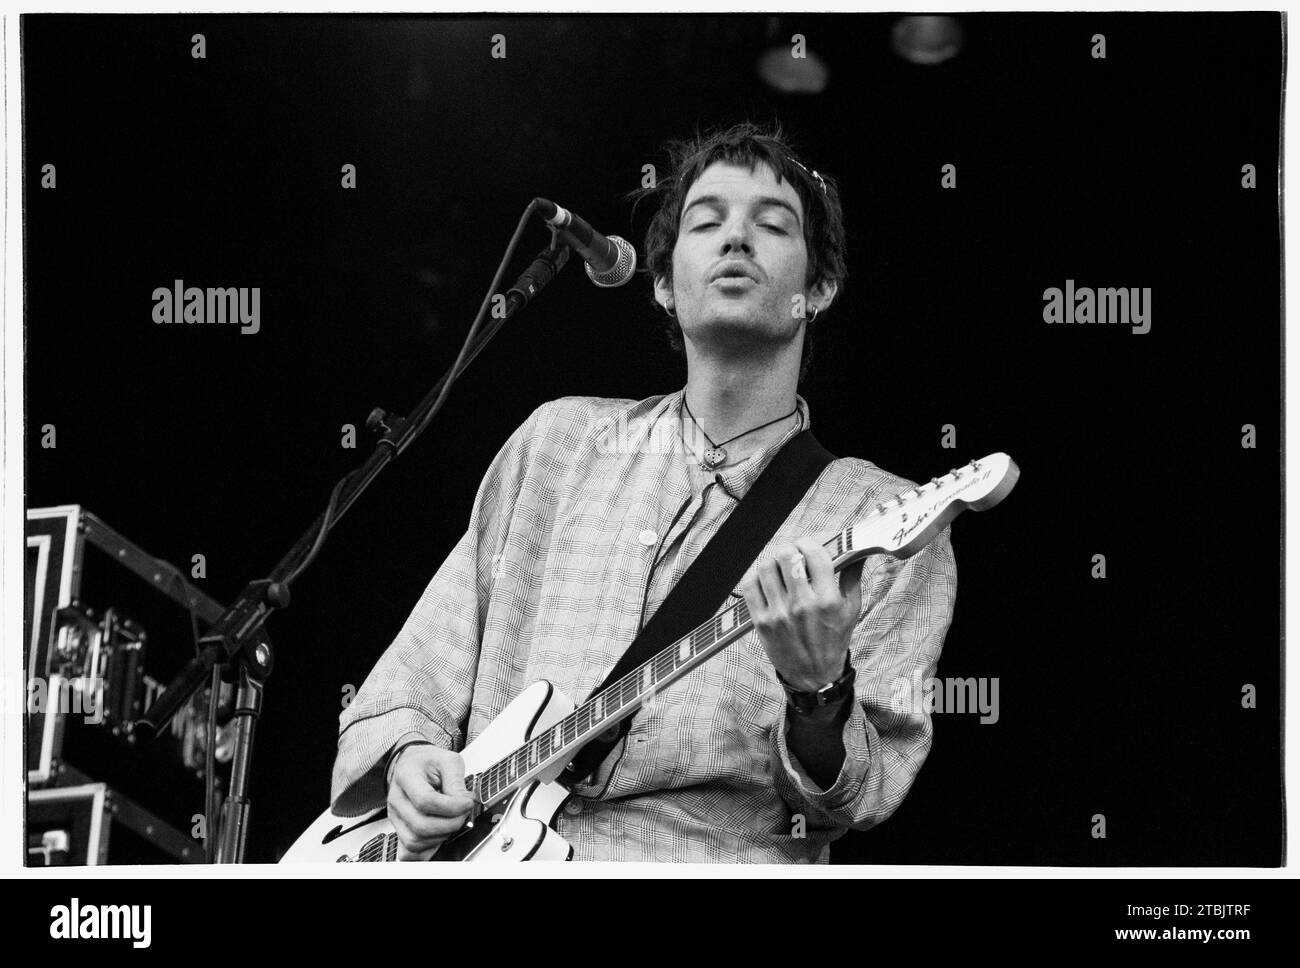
534, 279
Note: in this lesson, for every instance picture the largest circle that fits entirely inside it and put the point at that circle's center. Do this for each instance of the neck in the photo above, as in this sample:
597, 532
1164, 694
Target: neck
729, 397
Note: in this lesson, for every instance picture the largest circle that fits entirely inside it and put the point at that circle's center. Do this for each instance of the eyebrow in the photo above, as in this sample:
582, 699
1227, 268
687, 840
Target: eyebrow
764, 201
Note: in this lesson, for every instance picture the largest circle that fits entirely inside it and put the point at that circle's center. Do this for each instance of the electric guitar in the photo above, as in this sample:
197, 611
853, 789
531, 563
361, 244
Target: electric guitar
511, 768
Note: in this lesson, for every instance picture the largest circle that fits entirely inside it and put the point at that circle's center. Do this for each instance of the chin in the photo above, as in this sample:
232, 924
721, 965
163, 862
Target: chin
735, 328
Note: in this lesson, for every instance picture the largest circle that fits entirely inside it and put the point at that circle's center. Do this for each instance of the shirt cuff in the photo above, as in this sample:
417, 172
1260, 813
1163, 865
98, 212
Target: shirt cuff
793, 781
358, 782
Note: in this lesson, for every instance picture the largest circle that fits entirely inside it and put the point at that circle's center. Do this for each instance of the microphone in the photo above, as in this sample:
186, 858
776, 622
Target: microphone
610, 261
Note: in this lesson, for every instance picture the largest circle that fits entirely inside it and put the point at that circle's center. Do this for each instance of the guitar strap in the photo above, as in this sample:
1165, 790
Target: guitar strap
718, 568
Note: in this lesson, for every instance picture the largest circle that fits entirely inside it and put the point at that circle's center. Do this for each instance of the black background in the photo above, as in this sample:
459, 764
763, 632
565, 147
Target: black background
1119, 696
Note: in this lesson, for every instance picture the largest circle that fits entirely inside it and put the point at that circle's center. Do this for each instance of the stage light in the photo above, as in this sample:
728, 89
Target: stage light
793, 71
927, 40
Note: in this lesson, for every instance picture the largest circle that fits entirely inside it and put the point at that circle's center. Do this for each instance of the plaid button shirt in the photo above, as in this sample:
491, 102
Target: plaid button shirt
585, 520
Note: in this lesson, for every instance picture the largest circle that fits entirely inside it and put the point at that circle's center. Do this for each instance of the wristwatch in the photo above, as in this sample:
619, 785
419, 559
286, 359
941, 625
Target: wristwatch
805, 703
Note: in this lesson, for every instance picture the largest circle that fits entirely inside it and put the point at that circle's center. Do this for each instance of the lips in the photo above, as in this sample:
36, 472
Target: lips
734, 270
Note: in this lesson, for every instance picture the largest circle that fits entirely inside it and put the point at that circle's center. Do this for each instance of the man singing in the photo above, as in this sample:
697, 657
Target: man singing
574, 542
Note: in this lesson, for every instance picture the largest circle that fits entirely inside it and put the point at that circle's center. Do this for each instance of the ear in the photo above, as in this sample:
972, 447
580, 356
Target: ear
822, 295
663, 292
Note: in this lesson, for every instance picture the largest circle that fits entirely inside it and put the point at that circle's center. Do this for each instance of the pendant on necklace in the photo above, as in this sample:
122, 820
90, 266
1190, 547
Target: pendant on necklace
713, 457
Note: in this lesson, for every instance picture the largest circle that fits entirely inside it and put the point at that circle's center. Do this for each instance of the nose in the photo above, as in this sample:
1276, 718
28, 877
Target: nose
737, 238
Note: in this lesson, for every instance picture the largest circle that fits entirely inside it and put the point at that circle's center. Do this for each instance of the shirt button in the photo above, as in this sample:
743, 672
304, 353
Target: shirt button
648, 538
573, 807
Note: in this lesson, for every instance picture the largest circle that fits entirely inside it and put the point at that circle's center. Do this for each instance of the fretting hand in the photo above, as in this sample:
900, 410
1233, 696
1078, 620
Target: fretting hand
804, 612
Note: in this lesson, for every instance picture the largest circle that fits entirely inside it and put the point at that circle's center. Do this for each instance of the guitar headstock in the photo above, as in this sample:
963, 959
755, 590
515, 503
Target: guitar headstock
907, 522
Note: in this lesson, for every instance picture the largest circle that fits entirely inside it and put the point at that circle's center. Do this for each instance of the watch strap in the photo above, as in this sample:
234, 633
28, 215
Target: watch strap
828, 695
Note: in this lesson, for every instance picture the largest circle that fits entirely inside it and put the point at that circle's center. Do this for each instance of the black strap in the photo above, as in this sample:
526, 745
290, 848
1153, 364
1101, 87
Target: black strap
717, 569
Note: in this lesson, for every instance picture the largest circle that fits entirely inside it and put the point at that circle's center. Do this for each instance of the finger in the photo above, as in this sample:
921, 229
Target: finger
432, 831
771, 585
404, 837
817, 562
431, 802
851, 584
424, 830
399, 814
786, 564
450, 769
433, 781
794, 574
419, 785
798, 570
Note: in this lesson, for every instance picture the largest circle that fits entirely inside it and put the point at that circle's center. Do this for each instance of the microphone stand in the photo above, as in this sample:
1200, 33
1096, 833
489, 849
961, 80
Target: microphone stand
237, 636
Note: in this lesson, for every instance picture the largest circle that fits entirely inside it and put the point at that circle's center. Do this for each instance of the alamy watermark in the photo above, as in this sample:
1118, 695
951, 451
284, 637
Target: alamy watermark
946, 695
1084, 305
190, 304
75, 921
619, 434
79, 696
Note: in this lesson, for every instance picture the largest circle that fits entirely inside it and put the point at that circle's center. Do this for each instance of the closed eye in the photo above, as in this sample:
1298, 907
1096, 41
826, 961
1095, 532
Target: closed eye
713, 225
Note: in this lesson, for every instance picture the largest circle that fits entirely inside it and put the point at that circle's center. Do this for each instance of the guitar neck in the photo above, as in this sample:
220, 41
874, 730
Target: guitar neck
625, 696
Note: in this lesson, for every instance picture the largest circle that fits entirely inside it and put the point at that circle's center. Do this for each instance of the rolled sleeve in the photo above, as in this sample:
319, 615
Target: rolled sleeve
358, 779
424, 681
908, 607
802, 789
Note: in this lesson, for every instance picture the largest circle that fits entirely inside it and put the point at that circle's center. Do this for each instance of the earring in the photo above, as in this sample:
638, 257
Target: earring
668, 308
816, 310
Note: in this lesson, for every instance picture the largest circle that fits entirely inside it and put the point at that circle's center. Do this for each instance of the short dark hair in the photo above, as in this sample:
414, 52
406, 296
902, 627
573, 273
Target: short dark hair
747, 144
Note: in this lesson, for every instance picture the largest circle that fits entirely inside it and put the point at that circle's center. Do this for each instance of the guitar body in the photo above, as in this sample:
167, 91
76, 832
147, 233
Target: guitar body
517, 829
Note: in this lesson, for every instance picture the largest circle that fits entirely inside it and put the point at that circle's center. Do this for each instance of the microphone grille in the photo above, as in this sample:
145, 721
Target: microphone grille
621, 271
